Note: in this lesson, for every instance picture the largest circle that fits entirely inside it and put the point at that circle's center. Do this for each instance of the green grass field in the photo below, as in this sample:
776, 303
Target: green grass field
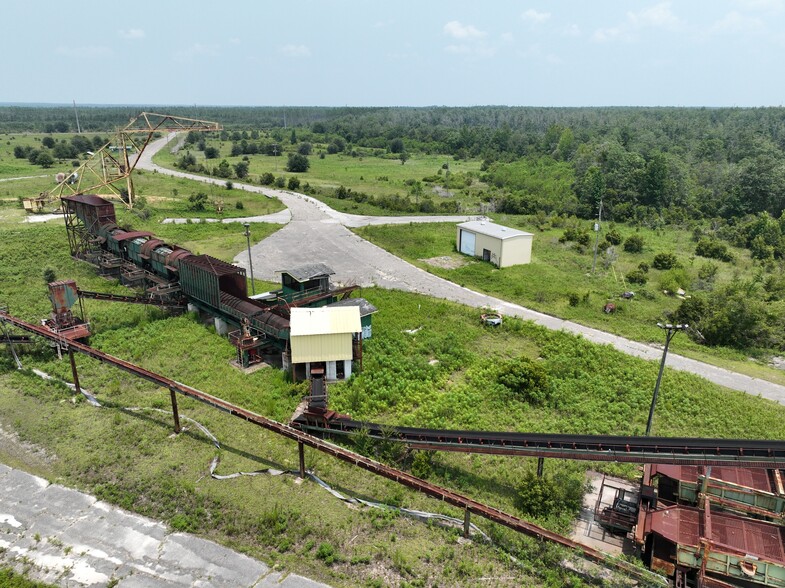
559, 281
378, 174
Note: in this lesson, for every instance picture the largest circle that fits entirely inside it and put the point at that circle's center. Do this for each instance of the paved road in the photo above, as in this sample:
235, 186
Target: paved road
316, 232
66, 538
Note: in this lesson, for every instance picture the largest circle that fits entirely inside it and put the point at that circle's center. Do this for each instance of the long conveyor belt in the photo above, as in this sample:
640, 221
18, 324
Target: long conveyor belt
663, 450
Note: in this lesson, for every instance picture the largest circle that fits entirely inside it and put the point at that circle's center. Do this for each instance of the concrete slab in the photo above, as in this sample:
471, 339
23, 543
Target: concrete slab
586, 530
65, 538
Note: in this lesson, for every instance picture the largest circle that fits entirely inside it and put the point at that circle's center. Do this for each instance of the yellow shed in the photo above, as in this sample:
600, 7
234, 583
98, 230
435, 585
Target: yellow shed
324, 336
502, 246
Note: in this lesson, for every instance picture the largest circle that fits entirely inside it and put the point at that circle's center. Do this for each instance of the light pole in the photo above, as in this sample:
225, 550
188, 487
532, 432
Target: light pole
670, 331
250, 262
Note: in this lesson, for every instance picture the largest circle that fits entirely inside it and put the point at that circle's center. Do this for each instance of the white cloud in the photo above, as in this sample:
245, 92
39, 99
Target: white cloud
473, 51
295, 51
764, 5
572, 30
131, 34
196, 50
234, 41
659, 16
87, 51
460, 31
507, 38
735, 22
533, 16
383, 24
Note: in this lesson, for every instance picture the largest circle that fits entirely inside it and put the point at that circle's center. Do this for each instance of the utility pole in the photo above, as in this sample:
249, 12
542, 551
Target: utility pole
597, 237
76, 112
250, 262
670, 331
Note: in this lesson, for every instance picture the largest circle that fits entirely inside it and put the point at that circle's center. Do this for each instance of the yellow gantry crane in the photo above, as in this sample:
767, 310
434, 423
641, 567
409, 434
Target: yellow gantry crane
117, 159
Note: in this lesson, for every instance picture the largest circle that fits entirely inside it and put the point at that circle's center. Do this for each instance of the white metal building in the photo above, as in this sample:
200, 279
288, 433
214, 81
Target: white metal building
502, 246
324, 336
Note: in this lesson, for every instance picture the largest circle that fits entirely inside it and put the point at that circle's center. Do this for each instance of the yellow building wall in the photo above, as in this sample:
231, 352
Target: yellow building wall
517, 250
330, 347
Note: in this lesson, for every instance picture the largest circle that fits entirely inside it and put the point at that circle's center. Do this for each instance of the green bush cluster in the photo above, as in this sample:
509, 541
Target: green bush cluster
713, 249
633, 244
526, 378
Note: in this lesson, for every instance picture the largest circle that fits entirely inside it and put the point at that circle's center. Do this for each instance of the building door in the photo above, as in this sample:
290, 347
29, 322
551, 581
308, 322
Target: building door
467, 242
486, 254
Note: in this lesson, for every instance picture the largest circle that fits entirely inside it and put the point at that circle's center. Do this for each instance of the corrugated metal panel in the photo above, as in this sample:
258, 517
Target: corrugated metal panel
325, 321
756, 478
304, 273
329, 347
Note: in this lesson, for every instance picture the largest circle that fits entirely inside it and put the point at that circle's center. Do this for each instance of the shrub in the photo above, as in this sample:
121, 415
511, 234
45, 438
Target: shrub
197, 201
239, 205
266, 179
280, 182
298, 163
326, 552
664, 261
543, 496
613, 237
633, 244
580, 237
49, 275
637, 276
713, 249
293, 183
673, 279
526, 378
644, 267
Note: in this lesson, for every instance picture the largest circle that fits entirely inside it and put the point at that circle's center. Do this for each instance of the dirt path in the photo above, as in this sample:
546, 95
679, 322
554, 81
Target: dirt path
316, 232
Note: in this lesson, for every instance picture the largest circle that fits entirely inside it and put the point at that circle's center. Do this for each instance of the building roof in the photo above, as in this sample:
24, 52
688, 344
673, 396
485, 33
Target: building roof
492, 229
687, 526
755, 478
365, 307
308, 272
325, 321
214, 266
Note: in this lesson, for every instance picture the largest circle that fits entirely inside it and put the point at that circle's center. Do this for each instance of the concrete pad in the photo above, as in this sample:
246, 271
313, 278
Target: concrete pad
85, 542
208, 563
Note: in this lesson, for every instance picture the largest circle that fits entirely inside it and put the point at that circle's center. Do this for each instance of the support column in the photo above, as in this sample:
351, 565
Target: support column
73, 370
174, 411
467, 515
540, 464
301, 451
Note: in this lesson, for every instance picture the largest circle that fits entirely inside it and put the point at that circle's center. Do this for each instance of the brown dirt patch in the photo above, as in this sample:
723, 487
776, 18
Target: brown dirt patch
446, 261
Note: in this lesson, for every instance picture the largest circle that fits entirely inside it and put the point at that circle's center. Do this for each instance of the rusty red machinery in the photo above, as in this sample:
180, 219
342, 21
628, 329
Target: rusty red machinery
176, 276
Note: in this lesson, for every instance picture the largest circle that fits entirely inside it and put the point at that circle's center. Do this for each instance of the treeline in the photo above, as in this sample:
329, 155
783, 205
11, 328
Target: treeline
644, 164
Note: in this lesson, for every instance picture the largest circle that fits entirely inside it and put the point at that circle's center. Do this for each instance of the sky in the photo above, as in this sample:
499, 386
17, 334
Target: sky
405, 53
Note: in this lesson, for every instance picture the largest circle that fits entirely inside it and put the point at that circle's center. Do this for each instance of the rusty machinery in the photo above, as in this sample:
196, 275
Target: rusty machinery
116, 160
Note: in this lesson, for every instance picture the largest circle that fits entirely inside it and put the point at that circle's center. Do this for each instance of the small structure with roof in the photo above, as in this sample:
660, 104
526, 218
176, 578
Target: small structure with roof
323, 338
304, 281
366, 310
502, 246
